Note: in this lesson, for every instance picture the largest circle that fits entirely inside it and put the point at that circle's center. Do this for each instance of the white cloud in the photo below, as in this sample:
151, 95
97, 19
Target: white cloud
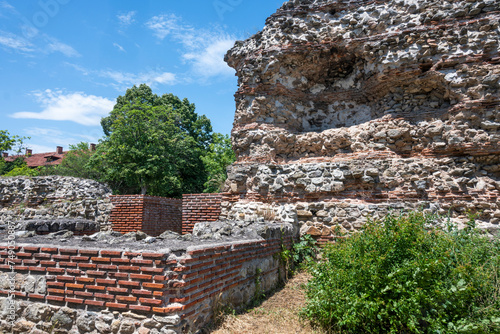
164, 25
209, 61
78, 68
204, 49
6, 5
125, 80
44, 44
119, 47
75, 107
43, 132
55, 46
15, 42
127, 18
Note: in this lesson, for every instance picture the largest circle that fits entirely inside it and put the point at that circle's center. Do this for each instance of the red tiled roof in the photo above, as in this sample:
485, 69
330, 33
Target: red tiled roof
40, 159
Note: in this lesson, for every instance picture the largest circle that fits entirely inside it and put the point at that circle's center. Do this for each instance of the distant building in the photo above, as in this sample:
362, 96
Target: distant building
39, 159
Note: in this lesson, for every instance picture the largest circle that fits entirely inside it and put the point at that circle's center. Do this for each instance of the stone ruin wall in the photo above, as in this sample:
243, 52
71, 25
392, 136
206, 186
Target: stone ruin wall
132, 287
349, 109
54, 197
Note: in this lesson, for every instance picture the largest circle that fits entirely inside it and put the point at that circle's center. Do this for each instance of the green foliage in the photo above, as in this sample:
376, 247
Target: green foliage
9, 142
305, 251
259, 294
302, 254
23, 170
154, 145
400, 276
12, 142
6, 167
187, 120
76, 163
219, 156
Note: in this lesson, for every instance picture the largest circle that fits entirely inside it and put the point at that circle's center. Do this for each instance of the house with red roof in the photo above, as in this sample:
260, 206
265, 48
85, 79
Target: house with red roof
39, 159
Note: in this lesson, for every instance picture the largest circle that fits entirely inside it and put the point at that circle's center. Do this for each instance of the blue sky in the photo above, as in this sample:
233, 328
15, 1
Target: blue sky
63, 63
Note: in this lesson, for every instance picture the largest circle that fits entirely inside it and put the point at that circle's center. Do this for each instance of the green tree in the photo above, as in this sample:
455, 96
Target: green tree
76, 163
23, 170
153, 145
219, 156
7, 166
9, 142
187, 120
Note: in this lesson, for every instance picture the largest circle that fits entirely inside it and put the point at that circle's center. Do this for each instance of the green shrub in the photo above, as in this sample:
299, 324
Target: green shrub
23, 171
401, 276
304, 251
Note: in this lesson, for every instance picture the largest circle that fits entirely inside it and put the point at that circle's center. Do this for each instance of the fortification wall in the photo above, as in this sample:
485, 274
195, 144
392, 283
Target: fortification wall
198, 208
53, 197
149, 214
171, 290
346, 109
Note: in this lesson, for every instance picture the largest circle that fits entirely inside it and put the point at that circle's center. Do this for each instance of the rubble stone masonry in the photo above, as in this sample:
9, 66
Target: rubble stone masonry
54, 197
171, 291
350, 109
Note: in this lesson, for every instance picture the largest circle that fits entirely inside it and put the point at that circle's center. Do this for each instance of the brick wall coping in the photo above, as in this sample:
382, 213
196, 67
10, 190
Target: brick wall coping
157, 250
145, 196
164, 246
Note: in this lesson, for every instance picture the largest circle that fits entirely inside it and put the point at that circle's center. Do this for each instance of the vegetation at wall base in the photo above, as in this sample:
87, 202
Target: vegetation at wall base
402, 276
301, 256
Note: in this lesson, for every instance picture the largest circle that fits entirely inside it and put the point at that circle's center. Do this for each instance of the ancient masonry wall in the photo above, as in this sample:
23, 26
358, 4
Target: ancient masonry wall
54, 197
63, 288
197, 208
350, 109
150, 214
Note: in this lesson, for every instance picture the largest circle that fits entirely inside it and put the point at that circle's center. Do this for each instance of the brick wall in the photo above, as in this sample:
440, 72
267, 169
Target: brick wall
161, 214
149, 283
197, 208
150, 214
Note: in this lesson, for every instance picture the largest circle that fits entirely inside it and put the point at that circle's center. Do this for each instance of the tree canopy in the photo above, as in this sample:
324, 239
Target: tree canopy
76, 163
219, 156
153, 145
9, 142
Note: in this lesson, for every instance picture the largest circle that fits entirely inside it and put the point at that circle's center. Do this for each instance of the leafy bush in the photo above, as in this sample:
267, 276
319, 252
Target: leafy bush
22, 171
304, 251
301, 255
401, 276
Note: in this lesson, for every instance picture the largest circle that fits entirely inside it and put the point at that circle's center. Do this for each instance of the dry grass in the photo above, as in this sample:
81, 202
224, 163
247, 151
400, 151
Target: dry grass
276, 315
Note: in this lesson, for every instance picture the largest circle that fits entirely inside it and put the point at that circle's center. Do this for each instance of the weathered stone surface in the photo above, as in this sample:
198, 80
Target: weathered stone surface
360, 107
51, 200
39, 312
86, 323
64, 318
22, 326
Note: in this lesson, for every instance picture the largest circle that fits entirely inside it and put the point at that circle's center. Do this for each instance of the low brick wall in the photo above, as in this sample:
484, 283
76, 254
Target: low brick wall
184, 287
197, 208
150, 214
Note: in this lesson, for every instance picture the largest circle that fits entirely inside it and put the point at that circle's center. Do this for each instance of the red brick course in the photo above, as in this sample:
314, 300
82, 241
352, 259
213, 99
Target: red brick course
201, 274
197, 208
150, 214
